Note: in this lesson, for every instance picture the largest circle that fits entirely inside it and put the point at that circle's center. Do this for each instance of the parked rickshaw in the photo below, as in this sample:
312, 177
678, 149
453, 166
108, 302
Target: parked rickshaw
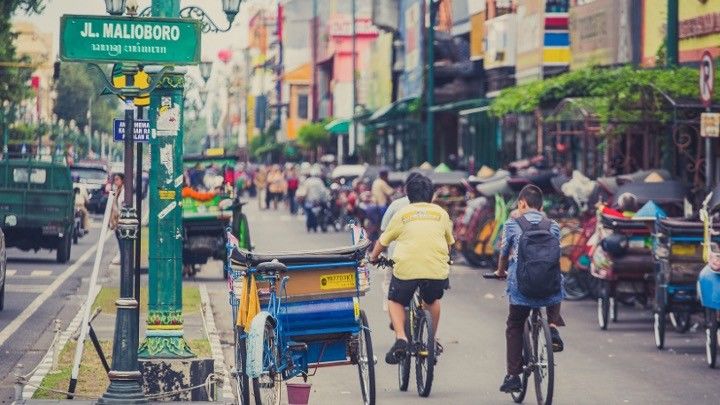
624, 260
296, 312
679, 260
708, 283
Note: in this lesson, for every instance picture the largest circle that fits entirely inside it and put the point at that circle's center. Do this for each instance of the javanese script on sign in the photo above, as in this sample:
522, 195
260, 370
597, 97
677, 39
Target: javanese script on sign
123, 39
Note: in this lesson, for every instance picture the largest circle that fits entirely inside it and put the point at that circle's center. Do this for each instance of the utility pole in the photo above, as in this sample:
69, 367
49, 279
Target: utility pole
671, 40
314, 45
164, 337
352, 142
430, 84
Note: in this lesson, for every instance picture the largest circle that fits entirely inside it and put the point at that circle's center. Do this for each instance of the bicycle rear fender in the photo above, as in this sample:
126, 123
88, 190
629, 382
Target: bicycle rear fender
254, 344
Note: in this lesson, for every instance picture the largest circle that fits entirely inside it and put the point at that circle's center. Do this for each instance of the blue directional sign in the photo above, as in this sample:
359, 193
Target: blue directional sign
141, 132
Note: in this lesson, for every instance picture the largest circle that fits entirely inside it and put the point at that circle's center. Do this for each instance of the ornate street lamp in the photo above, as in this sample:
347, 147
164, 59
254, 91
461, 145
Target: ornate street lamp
231, 8
206, 69
115, 7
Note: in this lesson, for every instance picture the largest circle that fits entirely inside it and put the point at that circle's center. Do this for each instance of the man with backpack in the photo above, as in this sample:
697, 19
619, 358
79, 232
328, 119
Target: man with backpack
530, 260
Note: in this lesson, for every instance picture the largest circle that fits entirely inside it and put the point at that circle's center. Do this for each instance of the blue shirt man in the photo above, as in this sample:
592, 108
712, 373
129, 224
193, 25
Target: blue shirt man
530, 202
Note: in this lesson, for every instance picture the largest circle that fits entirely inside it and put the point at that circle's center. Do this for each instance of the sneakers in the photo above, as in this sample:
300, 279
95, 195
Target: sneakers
511, 383
557, 343
397, 352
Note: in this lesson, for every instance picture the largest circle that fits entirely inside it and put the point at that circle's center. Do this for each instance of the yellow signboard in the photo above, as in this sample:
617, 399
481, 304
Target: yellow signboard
710, 125
141, 80
341, 281
698, 29
167, 194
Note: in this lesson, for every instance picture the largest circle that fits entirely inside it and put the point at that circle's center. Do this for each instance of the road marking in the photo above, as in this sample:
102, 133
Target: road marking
10, 273
40, 273
13, 326
25, 288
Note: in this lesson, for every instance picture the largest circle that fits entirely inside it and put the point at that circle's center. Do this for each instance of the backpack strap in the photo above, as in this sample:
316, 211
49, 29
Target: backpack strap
545, 224
523, 223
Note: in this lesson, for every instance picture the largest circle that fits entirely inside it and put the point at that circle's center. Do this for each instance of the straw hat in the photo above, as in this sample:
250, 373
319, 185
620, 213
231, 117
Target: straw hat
426, 166
654, 177
485, 172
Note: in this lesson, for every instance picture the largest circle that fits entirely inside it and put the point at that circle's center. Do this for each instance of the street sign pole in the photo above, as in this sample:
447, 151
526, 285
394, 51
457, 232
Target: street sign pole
707, 82
124, 376
164, 336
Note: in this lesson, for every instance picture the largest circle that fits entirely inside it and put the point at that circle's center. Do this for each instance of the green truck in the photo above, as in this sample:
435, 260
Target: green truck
206, 220
37, 206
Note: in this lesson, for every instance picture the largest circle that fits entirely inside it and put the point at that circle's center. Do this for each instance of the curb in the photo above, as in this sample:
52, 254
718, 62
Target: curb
214, 339
45, 365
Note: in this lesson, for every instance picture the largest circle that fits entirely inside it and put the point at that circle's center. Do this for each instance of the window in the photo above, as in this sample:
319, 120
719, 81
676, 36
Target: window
302, 108
38, 176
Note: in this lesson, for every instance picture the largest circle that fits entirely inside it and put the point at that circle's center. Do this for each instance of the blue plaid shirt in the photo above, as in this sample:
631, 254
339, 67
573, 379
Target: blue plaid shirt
510, 239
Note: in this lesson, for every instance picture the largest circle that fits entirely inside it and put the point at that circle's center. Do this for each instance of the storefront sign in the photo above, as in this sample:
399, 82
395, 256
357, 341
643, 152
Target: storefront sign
710, 125
600, 33
90, 38
699, 26
477, 35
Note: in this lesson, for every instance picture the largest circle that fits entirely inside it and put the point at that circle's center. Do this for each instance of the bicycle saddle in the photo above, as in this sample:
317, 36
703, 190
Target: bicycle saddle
271, 267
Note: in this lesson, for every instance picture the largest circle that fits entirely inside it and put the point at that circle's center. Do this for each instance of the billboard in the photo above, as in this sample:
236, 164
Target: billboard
530, 21
385, 14
698, 29
411, 80
500, 41
600, 33
477, 35
654, 23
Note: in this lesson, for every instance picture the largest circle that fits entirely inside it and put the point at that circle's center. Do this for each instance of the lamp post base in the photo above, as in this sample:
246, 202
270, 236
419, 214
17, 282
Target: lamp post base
165, 345
124, 389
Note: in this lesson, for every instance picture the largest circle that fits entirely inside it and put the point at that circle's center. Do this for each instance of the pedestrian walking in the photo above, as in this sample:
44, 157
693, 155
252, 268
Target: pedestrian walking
260, 182
293, 182
276, 187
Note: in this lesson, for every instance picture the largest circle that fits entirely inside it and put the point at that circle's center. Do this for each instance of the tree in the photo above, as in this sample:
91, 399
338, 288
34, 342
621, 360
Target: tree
13, 80
313, 135
75, 88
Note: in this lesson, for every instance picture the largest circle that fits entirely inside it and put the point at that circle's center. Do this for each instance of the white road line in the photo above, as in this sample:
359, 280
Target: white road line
10, 273
40, 273
13, 326
25, 288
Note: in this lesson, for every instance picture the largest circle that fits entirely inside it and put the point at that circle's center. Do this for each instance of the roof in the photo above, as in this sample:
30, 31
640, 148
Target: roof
338, 126
300, 75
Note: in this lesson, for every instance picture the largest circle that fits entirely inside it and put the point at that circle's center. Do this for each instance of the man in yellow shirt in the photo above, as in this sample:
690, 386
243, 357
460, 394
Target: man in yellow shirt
423, 235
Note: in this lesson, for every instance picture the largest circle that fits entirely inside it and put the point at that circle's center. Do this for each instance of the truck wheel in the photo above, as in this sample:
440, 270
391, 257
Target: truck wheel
63, 249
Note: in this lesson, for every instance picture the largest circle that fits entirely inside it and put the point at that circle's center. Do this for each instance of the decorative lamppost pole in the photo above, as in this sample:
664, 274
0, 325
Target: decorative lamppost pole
164, 337
430, 85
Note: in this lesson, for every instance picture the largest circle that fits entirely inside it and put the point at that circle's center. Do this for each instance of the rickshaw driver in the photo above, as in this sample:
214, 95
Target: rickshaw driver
423, 235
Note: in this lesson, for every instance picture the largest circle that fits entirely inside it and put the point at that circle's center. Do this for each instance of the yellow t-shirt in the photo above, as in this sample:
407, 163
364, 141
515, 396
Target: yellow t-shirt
422, 232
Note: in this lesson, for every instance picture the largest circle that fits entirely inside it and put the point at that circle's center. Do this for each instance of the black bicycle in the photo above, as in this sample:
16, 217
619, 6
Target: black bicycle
537, 356
420, 331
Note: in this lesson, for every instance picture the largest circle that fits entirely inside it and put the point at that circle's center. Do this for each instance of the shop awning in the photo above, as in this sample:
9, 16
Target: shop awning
338, 126
399, 109
461, 105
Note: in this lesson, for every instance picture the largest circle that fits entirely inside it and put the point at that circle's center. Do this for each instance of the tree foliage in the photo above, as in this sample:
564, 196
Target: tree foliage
617, 84
75, 89
312, 135
13, 80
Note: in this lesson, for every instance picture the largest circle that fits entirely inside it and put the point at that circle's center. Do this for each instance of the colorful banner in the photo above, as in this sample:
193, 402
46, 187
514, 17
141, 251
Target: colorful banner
600, 33
698, 29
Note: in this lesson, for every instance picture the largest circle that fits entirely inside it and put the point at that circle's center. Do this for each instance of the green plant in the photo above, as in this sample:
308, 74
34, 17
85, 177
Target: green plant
312, 135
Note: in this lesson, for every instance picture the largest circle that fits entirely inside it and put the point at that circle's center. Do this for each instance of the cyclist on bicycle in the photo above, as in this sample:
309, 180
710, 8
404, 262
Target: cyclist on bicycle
423, 235
528, 213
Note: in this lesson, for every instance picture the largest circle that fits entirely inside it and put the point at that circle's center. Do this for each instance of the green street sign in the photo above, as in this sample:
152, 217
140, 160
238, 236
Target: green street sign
158, 41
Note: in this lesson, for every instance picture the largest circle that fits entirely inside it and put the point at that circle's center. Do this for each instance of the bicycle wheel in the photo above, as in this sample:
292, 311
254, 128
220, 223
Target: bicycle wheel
268, 387
366, 362
404, 364
242, 386
680, 320
424, 341
544, 371
518, 397
603, 306
659, 322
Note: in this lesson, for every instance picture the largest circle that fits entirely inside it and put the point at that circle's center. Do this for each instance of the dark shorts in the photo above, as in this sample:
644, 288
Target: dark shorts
401, 291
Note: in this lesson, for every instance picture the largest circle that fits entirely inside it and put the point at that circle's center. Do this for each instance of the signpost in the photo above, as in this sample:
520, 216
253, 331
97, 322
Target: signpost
707, 82
161, 41
141, 130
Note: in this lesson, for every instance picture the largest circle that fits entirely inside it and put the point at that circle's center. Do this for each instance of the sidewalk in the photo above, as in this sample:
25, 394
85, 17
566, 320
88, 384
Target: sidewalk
198, 330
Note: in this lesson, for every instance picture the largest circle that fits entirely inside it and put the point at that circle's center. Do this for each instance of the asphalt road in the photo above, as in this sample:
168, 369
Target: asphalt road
25, 335
617, 366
